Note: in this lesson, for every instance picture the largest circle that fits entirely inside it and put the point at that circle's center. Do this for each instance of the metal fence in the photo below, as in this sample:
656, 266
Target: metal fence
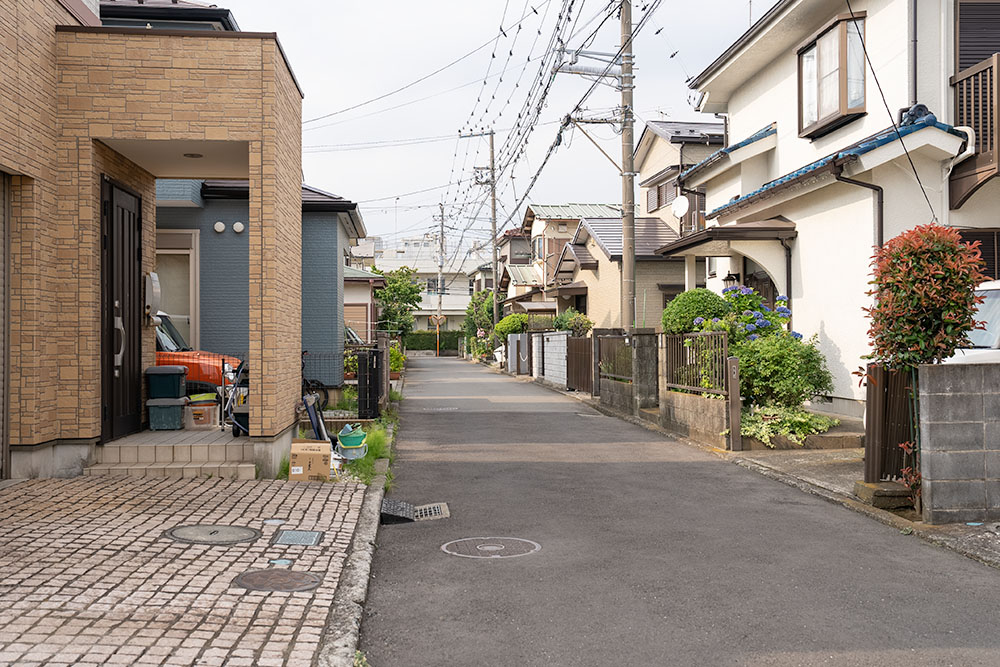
580, 364
696, 362
614, 358
888, 422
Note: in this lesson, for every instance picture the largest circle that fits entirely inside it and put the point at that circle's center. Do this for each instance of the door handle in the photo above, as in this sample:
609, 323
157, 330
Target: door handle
120, 328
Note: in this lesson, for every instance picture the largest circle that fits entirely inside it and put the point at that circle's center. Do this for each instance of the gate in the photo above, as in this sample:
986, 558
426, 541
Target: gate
888, 422
580, 364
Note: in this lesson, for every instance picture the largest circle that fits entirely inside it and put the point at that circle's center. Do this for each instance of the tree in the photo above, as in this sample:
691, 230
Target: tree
398, 299
479, 314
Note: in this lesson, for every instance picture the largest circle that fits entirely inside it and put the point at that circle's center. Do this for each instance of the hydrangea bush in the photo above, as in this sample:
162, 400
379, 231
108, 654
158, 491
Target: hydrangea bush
747, 317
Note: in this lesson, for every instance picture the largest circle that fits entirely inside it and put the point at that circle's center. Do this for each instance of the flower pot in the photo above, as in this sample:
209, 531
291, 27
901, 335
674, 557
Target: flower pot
394, 375
350, 376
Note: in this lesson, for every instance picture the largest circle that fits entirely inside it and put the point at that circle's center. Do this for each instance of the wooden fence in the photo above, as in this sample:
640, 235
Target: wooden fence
888, 422
580, 364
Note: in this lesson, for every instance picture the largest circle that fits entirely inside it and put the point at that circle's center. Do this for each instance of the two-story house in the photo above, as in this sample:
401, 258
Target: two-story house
824, 165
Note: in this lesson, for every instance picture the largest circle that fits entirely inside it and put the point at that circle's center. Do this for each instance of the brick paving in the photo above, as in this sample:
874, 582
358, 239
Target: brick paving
87, 578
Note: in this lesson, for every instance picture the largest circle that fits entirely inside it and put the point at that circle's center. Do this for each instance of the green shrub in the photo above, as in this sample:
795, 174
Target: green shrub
396, 358
512, 324
782, 371
795, 424
573, 321
348, 399
350, 362
427, 340
379, 447
680, 313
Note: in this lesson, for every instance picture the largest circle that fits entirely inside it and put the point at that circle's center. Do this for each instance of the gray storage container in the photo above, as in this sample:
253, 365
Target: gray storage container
166, 414
167, 381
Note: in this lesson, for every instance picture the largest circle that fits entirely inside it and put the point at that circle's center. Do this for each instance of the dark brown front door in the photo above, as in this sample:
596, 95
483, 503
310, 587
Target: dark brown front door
121, 353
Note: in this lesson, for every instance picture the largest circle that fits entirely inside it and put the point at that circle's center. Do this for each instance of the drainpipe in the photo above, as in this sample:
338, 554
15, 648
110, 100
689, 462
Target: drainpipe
879, 201
788, 275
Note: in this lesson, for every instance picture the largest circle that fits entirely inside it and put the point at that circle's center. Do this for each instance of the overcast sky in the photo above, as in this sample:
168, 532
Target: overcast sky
345, 53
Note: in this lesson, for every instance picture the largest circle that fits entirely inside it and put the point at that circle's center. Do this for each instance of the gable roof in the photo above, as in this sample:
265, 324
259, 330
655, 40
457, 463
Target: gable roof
651, 234
352, 273
723, 153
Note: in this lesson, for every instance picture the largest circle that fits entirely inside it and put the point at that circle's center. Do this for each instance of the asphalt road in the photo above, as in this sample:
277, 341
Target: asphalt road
652, 552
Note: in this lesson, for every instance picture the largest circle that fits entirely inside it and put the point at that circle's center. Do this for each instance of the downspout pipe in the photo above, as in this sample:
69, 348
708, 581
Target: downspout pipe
913, 52
879, 201
788, 275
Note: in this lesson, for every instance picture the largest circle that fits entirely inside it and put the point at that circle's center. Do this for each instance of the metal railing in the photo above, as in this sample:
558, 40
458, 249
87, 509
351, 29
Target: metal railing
696, 362
976, 93
614, 358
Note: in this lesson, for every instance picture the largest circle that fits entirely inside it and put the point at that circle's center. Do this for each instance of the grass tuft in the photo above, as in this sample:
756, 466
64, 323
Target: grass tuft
283, 469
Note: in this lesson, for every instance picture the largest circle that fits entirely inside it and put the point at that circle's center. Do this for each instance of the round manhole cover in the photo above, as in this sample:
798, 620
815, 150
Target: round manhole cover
211, 534
491, 547
277, 580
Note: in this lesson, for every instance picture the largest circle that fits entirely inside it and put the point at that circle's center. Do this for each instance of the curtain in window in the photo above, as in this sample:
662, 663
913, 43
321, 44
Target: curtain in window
808, 65
828, 71
855, 64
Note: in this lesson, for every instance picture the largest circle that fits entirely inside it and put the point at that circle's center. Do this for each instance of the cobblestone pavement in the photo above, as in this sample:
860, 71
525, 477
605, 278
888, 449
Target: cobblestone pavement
87, 577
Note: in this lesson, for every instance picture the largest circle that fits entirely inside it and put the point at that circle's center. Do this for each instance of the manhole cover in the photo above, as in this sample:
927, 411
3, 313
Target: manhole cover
308, 538
277, 580
491, 547
432, 511
211, 534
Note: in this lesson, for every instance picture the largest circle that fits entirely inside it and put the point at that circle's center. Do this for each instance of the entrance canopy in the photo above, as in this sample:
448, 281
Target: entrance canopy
717, 241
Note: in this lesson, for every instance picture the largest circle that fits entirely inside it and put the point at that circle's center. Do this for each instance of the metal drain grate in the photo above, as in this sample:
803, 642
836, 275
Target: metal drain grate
306, 538
277, 580
212, 534
432, 511
491, 547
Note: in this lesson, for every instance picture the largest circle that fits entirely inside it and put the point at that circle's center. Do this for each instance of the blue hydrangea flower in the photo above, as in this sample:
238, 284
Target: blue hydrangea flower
745, 290
754, 336
763, 324
796, 335
750, 327
765, 309
747, 313
715, 320
757, 314
727, 290
699, 320
781, 310
782, 297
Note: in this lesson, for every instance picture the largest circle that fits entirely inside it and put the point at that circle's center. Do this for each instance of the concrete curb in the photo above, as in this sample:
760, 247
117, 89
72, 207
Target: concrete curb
343, 627
934, 534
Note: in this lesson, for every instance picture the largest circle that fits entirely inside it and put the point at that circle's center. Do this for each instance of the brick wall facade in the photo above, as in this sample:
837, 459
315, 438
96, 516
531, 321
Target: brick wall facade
70, 92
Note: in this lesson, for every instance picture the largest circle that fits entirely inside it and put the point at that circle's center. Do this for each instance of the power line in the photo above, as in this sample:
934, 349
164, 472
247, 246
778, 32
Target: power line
423, 78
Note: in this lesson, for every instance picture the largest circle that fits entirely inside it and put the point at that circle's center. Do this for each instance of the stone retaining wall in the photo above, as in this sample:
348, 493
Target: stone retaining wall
696, 417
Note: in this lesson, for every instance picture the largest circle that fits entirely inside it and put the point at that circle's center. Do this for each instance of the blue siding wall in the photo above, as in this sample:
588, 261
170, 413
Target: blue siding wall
225, 290
323, 298
178, 190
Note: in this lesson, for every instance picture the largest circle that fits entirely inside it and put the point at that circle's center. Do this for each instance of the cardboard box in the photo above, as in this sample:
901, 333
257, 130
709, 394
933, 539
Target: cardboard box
309, 461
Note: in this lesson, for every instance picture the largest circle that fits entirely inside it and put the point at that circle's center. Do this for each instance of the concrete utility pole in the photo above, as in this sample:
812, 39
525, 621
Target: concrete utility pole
628, 185
493, 217
440, 281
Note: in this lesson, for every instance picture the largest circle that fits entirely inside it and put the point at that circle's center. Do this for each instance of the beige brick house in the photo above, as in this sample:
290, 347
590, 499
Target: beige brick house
90, 116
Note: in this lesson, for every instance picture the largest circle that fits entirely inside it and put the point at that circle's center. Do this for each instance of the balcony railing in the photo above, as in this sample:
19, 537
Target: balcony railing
976, 94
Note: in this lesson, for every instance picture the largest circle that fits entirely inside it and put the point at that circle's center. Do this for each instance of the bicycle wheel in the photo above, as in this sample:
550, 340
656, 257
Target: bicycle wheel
314, 387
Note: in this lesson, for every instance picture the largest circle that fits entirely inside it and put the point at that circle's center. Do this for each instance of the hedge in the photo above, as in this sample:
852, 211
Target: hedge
427, 340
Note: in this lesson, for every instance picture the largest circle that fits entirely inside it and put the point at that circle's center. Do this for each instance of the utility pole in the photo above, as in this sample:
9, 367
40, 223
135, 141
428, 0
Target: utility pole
493, 216
440, 282
628, 185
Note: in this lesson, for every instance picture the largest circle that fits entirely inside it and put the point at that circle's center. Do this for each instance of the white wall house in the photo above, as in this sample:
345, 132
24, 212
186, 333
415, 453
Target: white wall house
800, 90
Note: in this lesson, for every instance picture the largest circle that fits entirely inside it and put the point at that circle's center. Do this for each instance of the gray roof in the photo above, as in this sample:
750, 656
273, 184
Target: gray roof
352, 273
574, 211
684, 132
651, 234
523, 274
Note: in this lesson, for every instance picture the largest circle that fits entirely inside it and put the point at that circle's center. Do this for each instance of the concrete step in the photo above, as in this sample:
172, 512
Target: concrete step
130, 455
650, 414
224, 470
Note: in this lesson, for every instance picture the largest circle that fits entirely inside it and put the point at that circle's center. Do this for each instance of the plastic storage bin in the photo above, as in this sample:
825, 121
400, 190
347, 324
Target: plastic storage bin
166, 414
167, 381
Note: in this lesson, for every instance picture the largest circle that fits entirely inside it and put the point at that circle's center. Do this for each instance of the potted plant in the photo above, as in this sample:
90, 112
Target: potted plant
350, 365
396, 361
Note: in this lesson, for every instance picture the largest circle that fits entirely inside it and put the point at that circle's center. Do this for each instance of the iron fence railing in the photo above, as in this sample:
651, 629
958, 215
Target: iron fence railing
614, 358
696, 362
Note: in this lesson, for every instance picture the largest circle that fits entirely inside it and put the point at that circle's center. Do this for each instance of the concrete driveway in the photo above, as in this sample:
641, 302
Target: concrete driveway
652, 552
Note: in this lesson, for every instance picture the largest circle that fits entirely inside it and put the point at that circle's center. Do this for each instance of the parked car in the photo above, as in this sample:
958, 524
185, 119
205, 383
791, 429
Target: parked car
205, 369
985, 343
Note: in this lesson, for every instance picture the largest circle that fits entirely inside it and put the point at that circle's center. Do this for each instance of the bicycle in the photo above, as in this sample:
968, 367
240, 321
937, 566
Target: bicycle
314, 386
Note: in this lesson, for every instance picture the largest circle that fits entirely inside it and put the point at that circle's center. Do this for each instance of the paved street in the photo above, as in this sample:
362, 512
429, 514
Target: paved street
87, 577
652, 552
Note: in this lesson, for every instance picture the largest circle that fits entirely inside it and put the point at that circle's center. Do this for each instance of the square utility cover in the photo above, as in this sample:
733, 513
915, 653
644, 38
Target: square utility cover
307, 538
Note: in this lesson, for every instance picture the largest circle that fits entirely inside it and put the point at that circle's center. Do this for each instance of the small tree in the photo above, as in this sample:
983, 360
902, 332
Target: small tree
512, 324
398, 299
925, 305
573, 321
479, 314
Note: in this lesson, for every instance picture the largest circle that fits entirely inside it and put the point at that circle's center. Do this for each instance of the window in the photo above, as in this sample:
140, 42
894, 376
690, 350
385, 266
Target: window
563, 227
538, 248
651, 201
989, 246
432, 284
472, 286
712, 264
832, 77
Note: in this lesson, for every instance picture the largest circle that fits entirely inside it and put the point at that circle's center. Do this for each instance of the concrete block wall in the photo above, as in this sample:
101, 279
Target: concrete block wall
555, 357
960, 442
537, 371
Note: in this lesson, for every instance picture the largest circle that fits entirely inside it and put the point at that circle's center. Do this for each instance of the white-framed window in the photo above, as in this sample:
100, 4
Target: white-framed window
179, 268
832, 77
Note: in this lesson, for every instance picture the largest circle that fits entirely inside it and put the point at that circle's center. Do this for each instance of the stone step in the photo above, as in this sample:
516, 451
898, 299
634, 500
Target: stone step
232, 453
224, 470
650, 414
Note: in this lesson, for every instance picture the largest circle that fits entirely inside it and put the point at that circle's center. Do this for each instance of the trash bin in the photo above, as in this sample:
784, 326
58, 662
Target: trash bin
167, 381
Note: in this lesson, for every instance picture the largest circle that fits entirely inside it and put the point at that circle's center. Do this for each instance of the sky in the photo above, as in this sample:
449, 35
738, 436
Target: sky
383, 153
